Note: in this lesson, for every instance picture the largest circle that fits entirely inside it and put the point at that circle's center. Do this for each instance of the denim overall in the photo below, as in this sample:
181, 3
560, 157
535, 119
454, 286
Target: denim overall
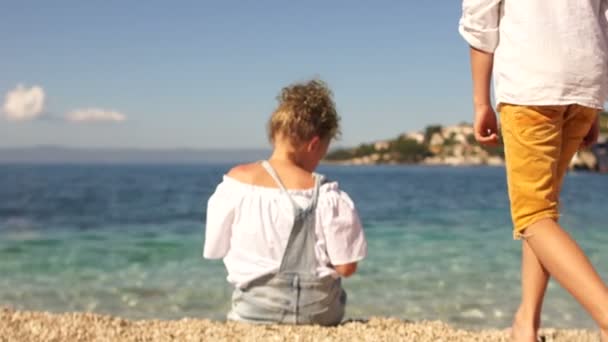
293, 295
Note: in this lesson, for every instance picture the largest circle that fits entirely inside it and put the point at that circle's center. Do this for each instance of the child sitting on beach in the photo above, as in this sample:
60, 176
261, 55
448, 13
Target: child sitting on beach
285, 234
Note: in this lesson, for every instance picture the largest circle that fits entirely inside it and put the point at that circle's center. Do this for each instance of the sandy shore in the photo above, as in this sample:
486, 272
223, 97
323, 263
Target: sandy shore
42, 326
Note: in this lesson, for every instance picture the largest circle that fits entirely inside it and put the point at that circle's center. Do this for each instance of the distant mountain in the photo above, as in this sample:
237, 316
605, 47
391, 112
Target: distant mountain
57, 155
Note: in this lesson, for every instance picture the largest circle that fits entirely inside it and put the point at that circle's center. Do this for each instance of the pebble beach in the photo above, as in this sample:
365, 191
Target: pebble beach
44, 326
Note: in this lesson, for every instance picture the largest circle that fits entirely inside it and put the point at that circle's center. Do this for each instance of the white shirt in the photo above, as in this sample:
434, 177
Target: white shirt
546, 52
248, 226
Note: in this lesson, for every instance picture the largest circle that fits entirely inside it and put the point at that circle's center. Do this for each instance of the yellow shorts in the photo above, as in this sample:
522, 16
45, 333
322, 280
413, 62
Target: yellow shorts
539, 143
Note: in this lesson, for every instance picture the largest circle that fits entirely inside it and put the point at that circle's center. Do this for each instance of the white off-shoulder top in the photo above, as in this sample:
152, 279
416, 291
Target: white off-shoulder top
248, 226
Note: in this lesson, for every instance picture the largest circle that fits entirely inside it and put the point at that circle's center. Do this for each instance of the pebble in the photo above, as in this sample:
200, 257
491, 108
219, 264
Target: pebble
18, 325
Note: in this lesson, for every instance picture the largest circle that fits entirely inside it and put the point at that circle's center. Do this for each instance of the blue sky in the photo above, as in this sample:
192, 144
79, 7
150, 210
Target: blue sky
204, 74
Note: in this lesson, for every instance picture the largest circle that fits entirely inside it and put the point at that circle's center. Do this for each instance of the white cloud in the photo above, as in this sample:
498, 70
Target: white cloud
24, 104
28, 103
95, 115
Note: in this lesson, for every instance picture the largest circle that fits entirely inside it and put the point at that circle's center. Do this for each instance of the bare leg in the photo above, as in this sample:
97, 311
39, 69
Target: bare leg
548, 248
567, 263
534, 279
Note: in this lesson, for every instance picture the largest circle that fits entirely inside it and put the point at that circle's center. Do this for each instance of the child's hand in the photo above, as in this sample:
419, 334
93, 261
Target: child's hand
593, 134
486, 126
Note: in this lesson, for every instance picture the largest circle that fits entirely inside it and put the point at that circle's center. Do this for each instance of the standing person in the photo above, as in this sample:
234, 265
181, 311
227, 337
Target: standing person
287, 237
549, 61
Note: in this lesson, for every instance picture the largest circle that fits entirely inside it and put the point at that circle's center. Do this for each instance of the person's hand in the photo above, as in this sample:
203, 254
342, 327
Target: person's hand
593, 134
486, 126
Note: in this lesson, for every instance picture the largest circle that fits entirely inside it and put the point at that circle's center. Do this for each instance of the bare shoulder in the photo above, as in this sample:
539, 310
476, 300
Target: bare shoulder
244, 172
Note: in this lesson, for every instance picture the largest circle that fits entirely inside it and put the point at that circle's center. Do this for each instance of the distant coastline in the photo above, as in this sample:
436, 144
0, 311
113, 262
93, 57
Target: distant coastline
436, 145
67, 155
453, 145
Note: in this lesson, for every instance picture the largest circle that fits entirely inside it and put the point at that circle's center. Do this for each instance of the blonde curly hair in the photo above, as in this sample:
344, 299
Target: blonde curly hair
305, 110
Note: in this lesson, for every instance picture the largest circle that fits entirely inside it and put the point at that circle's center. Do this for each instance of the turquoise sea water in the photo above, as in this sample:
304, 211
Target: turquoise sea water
127, 240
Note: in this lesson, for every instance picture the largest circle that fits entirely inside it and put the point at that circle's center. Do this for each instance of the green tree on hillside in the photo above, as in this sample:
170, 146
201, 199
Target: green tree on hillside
409, 150
364, 150
340, 154
429, 131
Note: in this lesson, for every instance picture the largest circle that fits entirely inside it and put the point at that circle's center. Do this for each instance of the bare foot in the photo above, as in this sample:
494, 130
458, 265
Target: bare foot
522, 331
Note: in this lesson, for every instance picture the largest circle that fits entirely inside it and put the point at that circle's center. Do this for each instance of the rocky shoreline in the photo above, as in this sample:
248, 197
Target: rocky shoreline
450, 146
44, 326
436, 145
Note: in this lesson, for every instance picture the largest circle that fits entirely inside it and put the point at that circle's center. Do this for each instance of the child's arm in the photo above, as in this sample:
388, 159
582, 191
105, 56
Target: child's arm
479, 23
346, 270
344, 237
220, 214
593, 134
479, 26
486, 125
